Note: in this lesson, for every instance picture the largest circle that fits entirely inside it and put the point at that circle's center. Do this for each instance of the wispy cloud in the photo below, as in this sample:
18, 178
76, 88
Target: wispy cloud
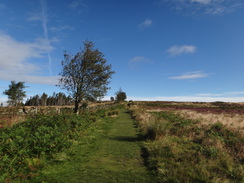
209, 7
146, 23
224, 94
178, 50
205, 2
191, 75
220, 9
2, 6
61, 28
190, 98
135, 61
79, 6
45, 31
34, 16
15, 58
49, 80
209, 94
14, 54
235, 93
42, 16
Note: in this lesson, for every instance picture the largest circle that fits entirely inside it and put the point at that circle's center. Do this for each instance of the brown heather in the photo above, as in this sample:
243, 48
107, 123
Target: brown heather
189, 146
235, 121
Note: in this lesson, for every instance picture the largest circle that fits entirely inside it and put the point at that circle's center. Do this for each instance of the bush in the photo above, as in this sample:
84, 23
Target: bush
84, 105
24, 145
112, 113
120, 95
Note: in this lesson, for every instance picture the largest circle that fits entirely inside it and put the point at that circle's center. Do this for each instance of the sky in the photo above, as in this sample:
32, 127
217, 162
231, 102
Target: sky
170, 50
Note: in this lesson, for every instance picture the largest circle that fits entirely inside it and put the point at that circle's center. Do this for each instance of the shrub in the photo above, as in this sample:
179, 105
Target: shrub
25, 144
120, 95
112, 113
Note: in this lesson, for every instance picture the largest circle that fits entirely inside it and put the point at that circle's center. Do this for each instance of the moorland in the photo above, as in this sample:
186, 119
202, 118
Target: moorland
132, 141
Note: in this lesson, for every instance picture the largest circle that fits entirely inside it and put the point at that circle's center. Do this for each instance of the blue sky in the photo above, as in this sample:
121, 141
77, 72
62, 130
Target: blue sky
180, 50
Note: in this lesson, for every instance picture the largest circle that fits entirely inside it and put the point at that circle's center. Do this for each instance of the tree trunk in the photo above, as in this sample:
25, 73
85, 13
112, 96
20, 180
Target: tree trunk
76, 109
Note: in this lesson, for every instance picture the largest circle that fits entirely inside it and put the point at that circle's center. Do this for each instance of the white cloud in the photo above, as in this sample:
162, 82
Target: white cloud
138, 59
235, 93
49, 80
79, 6
34, 17
187, 99
190, 75
202, 1
42, 16
178, 50
74, 4
147, 23
209, 7
14, 54
224, 94
3, 100
61, 28
135, 61
15, 59
219, 9
209, 95
201, 97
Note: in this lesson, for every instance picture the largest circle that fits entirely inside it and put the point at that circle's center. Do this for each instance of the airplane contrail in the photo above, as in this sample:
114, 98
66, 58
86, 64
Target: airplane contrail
45, 31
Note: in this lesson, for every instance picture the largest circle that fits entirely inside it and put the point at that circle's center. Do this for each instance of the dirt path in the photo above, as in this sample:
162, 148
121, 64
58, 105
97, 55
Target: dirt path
111, 151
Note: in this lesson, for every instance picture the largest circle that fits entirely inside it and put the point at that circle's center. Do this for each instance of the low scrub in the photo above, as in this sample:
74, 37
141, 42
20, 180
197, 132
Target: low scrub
181, 150
24, 146
112, 113
230, 120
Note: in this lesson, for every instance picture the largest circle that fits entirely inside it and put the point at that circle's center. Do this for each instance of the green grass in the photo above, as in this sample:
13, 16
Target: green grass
109, 151
107, 146
25, 146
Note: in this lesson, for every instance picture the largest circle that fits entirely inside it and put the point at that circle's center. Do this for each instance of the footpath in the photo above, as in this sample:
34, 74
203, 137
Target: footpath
109, 152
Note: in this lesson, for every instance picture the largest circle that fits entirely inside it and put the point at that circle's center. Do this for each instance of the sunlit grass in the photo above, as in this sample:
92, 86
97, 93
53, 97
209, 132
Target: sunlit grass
185, 150
235, 121
109, 151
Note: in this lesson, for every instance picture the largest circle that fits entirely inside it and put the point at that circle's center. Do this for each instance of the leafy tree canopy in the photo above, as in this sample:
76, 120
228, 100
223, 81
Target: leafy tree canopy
15, 93
120, 95
86, 74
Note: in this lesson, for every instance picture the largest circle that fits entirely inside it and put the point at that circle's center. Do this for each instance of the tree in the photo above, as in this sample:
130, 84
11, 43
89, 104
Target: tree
120, 95
85, 75
15, 93
44, 99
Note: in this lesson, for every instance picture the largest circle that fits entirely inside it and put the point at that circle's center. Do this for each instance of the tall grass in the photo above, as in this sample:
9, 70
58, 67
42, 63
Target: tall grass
181, 150
235, 121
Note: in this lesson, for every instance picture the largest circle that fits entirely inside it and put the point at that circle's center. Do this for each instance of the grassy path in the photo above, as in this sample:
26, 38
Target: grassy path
110, 151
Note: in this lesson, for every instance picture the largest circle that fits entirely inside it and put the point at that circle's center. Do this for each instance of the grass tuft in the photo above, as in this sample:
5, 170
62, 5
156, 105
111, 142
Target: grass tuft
183, 150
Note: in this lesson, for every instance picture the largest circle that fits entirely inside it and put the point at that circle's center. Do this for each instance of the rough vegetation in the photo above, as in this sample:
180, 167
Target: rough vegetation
169, 146
26, 144
108, 152
185, 150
